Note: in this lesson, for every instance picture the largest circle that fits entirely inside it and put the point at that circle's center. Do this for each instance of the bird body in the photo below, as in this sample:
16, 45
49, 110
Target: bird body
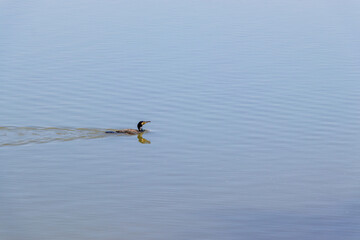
131, 131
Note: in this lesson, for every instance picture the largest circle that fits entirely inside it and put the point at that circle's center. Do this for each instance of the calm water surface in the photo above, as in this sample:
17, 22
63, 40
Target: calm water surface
254, 108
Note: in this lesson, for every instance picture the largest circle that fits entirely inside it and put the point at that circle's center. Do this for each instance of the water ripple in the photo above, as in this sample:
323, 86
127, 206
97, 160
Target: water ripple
14, 136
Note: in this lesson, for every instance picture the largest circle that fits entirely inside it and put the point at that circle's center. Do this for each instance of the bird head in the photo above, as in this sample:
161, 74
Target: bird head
142, 123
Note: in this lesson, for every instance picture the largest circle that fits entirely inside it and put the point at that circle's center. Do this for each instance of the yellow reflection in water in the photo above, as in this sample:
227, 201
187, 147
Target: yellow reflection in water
142, 140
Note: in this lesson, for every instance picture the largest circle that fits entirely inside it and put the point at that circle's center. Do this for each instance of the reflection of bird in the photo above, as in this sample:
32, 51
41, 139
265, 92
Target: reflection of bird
131, 131
143, 140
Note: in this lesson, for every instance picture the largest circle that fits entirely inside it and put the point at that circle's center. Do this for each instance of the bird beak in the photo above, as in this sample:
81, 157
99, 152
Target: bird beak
146, 122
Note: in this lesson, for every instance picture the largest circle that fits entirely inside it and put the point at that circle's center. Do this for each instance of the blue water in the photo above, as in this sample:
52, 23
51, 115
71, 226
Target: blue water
254, 132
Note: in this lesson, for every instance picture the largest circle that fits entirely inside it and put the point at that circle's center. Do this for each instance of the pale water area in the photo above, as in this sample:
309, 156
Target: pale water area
254, 110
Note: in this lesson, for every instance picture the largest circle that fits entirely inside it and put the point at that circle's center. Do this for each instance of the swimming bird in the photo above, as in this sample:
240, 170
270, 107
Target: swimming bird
131, 131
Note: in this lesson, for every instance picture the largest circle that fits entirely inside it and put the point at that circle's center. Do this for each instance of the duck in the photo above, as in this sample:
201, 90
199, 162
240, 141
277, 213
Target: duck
132, 131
